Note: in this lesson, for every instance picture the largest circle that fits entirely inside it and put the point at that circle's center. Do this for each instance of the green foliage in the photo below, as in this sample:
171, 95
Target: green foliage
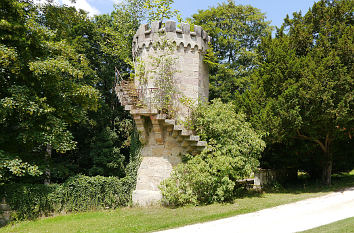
46, 86
202, 180
160, 10
56, 79
107, 158
232, 154
236, 30
29, 201
164, 70
161, 68
79, 193
303, 86
11, 166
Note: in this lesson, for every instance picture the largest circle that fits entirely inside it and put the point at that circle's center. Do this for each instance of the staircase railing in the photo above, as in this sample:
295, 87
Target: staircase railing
147, 97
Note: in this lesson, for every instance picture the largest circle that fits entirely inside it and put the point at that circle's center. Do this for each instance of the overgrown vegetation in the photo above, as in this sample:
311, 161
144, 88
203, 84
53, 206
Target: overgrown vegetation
159, 218
232, 154
79, 193
301, 92
61, 123
159, 70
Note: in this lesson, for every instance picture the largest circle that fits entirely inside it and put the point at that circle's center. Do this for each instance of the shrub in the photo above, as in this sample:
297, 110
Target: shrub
79, 193
82, 193
232, 154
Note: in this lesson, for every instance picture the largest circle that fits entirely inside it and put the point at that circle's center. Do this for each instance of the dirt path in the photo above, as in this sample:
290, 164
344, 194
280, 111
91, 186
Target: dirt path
294, 217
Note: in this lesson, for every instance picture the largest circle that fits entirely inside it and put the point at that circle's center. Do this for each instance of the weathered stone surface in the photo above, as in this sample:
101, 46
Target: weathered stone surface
157, 161
198, 30
165, 141
146, 197
155, 26
186, 28
5, 213
170, 26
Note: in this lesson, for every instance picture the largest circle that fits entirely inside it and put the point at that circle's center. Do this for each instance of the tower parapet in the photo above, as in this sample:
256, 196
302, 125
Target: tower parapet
146, 35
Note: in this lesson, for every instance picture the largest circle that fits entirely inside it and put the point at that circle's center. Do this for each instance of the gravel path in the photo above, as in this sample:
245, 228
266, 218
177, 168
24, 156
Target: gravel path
293, 217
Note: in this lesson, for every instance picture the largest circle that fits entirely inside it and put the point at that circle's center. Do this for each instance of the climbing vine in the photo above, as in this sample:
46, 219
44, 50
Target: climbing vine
164, 70
161, 69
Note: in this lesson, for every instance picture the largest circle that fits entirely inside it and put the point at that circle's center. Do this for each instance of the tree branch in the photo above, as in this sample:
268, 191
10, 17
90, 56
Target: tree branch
323, 147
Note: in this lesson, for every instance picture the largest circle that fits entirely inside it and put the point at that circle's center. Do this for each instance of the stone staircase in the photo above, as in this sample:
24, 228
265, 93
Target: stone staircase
129, 98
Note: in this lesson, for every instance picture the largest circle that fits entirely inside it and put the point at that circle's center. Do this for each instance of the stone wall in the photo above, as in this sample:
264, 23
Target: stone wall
264, 177
158, 160
5, 213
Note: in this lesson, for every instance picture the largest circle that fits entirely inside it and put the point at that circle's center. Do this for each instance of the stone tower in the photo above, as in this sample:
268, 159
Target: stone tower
191, 77
164, 138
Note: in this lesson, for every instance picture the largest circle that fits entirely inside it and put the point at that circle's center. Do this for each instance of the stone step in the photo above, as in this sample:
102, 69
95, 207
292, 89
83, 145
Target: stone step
4, 207
192, 138
201, 144
144, 111
178, 127
185, 143
161, 117
175, 133
186, 132
170, 122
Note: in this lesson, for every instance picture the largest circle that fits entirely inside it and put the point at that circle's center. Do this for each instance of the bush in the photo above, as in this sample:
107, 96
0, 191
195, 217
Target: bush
82, 193
79, 193
29, 201
232, 154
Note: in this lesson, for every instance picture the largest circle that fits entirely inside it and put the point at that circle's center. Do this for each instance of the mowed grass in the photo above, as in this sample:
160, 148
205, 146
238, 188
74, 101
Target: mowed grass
159, 218
343, 226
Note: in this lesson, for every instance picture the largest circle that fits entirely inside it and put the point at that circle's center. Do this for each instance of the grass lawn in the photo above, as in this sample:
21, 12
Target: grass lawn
158, 218
343, 226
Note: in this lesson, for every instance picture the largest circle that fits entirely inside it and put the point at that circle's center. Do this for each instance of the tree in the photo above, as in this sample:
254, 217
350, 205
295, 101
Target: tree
158, 10
103, 142
303, 88
235, 32
46, 85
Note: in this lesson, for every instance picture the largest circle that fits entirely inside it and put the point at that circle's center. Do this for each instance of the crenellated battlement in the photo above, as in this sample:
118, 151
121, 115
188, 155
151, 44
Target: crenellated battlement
147, 34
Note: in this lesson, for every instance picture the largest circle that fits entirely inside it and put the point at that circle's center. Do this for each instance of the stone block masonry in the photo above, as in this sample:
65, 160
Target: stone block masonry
164, 139
5, 213
191, 78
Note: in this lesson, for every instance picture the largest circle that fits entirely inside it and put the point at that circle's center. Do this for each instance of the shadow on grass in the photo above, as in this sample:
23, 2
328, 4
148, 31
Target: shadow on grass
306, 185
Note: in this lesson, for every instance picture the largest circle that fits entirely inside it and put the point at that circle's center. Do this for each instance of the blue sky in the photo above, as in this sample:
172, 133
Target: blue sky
275, 10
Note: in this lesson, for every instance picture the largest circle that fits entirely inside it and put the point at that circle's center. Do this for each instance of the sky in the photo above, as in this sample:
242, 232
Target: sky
275, 10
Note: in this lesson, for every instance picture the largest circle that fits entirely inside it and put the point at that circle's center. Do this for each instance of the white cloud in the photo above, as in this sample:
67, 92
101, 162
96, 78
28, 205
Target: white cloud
84, 5
40, 2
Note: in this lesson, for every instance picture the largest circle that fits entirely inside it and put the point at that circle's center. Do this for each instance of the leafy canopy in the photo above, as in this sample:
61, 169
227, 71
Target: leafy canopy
303, 88
235, 30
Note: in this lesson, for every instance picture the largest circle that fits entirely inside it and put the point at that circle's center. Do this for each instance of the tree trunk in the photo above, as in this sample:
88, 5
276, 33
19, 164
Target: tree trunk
327, 172
327, 156
48, 156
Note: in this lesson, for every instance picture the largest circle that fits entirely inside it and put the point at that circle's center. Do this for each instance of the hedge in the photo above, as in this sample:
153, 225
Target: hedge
79, 193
